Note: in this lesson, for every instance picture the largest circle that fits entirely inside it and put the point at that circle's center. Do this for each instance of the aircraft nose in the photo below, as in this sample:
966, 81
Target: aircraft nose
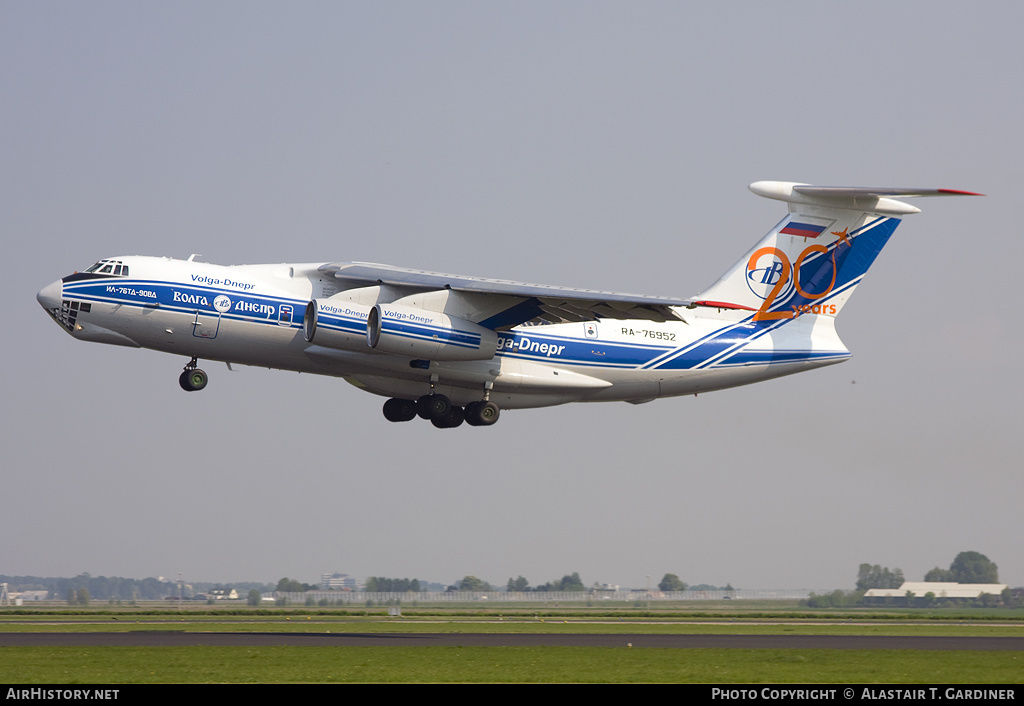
49, 297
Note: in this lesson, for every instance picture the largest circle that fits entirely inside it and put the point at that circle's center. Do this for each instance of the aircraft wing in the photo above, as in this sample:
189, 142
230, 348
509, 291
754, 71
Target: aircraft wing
529, 302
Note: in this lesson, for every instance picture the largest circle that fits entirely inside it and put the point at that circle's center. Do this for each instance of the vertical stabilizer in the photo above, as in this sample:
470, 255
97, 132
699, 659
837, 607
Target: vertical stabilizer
817, 255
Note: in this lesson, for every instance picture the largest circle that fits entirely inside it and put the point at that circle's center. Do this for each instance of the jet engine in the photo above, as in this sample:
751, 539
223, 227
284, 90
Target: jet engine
428, 335
336, 324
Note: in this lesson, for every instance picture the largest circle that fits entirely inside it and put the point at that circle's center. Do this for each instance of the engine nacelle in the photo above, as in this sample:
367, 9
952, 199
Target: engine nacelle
429, 335
336, 323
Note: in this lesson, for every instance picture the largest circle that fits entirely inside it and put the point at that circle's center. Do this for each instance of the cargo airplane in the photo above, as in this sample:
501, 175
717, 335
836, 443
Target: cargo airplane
450, 348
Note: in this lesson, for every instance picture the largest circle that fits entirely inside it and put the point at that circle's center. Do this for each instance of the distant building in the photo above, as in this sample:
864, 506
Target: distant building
337, 582
941, 589
223, 594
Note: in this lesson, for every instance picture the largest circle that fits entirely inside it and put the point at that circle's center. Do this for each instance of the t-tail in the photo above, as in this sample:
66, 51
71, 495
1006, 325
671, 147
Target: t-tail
817, 255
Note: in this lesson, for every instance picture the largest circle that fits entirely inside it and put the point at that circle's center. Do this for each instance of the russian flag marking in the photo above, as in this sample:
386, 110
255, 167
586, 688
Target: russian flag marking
803, 230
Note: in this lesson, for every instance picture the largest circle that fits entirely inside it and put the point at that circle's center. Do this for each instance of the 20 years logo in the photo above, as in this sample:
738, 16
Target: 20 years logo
772, 277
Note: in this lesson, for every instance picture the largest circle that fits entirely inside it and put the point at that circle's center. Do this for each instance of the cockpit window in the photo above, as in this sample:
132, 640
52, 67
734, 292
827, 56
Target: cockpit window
110, 267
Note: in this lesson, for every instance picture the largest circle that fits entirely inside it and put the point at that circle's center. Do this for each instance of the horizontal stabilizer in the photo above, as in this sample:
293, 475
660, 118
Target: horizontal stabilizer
873, 199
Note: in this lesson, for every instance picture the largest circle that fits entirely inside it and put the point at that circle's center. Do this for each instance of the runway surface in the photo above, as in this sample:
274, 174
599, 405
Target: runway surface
161, 638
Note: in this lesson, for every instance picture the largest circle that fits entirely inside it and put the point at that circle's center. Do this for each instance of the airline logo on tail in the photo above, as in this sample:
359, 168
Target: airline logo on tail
772, 278
767, 269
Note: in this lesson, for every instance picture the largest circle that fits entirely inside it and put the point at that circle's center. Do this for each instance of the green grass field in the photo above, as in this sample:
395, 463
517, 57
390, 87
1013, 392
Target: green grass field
238, 665
139, 665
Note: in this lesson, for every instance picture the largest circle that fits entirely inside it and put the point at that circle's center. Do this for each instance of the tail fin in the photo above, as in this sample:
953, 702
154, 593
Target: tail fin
818, 254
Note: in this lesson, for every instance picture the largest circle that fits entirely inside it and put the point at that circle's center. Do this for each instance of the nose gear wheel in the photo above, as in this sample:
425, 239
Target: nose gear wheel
192, 379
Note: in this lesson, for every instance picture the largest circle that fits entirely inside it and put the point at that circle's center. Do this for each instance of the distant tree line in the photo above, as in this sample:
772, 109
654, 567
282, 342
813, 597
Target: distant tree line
96, 588
569, 582
287, 585
84, 587
572, 582
380, 584
470, 583
967, 567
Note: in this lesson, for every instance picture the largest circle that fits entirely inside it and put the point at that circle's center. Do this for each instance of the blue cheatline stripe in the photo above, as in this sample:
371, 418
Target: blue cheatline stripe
585, 352
718, 348
158, 294
123, 282
744, 358
865, 244
357, 326
119, 290
675, 354
423, 332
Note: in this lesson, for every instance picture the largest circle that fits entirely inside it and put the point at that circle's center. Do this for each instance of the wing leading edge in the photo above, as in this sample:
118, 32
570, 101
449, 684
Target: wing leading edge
530, 302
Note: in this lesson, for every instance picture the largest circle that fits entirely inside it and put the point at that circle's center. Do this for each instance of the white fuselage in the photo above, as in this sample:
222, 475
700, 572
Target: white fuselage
254, 315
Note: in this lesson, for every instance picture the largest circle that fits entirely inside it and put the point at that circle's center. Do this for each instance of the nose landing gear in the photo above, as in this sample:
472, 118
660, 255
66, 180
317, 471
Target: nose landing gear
192, 378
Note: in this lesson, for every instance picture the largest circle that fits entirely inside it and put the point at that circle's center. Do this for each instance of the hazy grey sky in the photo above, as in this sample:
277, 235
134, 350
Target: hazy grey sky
592, 144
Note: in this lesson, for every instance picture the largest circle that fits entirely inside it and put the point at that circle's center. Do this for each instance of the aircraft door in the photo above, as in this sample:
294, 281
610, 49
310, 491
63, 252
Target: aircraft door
206, 325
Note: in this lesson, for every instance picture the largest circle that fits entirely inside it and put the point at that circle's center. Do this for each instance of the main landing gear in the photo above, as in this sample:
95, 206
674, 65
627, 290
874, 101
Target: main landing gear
440, 411
192, 378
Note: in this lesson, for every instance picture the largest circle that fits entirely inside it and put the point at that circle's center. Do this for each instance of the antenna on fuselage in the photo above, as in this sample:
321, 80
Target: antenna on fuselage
193, 256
